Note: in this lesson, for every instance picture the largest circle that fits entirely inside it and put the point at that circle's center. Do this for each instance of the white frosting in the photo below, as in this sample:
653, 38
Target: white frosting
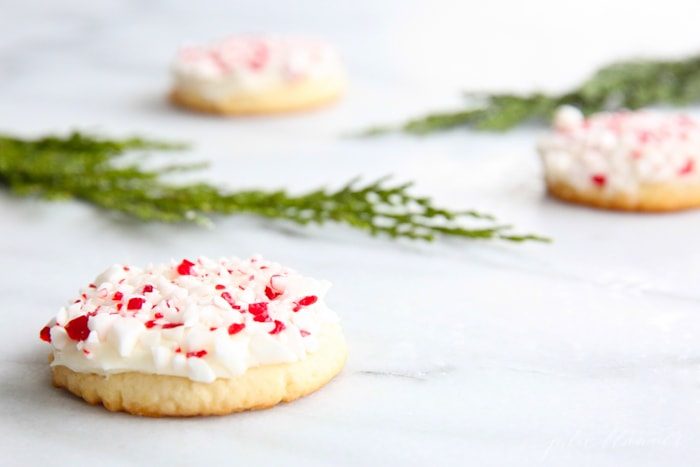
619, 152
242, 65
202, 320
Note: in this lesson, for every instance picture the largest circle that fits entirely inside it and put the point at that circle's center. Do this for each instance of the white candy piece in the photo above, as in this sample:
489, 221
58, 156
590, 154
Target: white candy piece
59, 337
567, 118
233, 353
199, 370
125, 333
161, 357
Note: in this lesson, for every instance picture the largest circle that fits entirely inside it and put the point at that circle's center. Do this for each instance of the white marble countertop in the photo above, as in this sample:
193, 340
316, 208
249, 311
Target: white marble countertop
582, 352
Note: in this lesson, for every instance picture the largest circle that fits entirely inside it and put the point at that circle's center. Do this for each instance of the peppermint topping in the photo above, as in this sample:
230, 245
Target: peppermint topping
290, 57
228, 315
619, 151
253, 64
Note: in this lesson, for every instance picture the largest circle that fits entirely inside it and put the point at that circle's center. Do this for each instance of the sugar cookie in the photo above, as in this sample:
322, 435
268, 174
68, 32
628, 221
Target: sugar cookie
196, 337
257, 75
636, 161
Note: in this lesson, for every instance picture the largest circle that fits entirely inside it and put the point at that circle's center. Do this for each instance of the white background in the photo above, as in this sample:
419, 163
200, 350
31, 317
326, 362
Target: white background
582, 352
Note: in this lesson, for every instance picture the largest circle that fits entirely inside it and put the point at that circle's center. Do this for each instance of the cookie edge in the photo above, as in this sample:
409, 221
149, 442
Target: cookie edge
261, 387
651, 198
299, 97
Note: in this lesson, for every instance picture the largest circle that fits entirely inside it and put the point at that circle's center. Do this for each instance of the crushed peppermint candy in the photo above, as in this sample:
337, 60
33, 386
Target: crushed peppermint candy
245, 64
228, 314
291, 57
621, 151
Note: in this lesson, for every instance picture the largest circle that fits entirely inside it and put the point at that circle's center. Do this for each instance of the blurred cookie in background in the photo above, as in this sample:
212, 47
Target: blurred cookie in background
627, 160
242, 75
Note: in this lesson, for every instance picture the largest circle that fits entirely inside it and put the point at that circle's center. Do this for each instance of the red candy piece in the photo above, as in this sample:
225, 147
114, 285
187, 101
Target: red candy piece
77, 328
235, 328
219, 287
135, 303
185, 268
306, 301
117, 296
147, 288
271, 294
644, 136
197, 354
259, 312
599, 180
257, 308
171, 325
219, 61
279, 327
259, 58
45, 334
310, 300
151, 323
687, 168
229, 299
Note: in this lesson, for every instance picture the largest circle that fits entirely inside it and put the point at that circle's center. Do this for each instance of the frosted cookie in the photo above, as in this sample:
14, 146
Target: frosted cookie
636, 161
257, 75
197, 337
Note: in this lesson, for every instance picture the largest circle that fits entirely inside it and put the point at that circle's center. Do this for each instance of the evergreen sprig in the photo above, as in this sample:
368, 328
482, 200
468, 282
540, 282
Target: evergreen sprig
92, 170
629, 84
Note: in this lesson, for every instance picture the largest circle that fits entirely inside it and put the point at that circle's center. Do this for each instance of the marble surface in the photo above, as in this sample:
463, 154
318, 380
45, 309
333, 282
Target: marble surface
582, 352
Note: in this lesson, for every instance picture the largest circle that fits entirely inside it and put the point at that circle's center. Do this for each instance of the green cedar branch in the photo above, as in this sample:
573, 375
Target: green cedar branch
630, 85
90, 169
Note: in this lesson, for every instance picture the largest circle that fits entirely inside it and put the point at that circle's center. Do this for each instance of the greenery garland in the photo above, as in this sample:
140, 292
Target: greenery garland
629, 84
87, 168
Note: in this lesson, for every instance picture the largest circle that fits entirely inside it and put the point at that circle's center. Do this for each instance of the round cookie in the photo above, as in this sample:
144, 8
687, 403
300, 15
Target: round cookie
196, 338
632, 161
257, 75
